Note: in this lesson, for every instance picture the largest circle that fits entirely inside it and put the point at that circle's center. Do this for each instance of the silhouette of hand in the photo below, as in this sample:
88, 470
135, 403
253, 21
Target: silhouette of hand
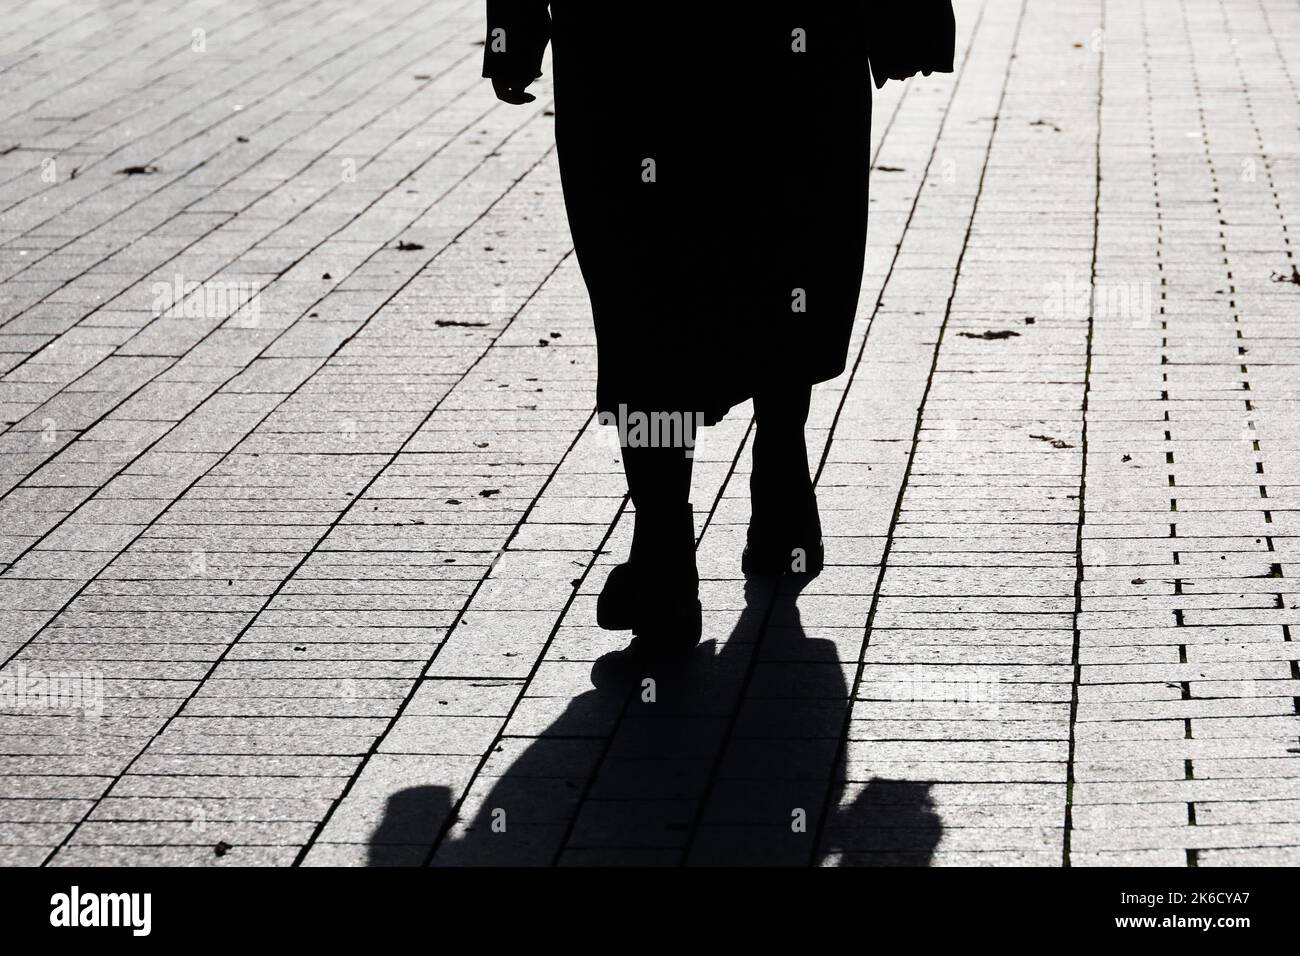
512, 91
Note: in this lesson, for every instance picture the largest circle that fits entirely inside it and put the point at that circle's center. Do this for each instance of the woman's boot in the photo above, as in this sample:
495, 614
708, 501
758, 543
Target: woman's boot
785, 533
655, 594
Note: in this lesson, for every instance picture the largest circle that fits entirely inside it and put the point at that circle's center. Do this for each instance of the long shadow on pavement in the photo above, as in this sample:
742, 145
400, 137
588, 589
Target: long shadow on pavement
687, 777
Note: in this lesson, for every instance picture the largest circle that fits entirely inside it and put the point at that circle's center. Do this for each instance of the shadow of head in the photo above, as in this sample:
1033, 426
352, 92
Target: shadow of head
413, 819
889, 823
778, 794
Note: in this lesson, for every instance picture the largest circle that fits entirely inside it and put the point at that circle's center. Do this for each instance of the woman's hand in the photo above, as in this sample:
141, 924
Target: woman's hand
512, 91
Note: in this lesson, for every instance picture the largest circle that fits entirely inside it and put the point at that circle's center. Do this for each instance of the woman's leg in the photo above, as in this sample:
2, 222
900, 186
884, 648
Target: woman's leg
663, 536
784, 528
780, 450
658, 479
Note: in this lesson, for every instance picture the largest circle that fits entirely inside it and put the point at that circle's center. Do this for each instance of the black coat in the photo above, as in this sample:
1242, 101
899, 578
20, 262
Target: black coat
714, 157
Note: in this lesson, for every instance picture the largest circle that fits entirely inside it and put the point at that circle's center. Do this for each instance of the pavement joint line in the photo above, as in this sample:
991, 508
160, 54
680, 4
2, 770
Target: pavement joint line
1079, 565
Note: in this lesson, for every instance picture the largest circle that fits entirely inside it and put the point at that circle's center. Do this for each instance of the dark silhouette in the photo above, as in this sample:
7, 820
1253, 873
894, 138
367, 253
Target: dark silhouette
413, 819
714, 158
616, 780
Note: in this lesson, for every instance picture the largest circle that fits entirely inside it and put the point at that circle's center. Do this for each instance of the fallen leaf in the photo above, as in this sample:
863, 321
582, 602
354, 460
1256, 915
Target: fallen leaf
990, 335
1293, 278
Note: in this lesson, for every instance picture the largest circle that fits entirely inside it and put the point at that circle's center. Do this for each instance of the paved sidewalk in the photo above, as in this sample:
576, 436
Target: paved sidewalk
303, 510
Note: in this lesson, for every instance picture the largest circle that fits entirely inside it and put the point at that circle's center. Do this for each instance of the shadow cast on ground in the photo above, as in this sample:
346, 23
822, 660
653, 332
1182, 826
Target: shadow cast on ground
733, 762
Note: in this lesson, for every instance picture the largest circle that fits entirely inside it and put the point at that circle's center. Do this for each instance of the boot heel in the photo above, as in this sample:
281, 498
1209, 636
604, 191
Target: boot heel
616, 605
668, 636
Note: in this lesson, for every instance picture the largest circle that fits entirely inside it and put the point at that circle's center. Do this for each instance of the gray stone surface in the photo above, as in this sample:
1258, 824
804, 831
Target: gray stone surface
314, 555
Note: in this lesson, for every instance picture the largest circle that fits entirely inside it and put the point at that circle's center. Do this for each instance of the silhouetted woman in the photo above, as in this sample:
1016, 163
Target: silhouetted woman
714, 157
